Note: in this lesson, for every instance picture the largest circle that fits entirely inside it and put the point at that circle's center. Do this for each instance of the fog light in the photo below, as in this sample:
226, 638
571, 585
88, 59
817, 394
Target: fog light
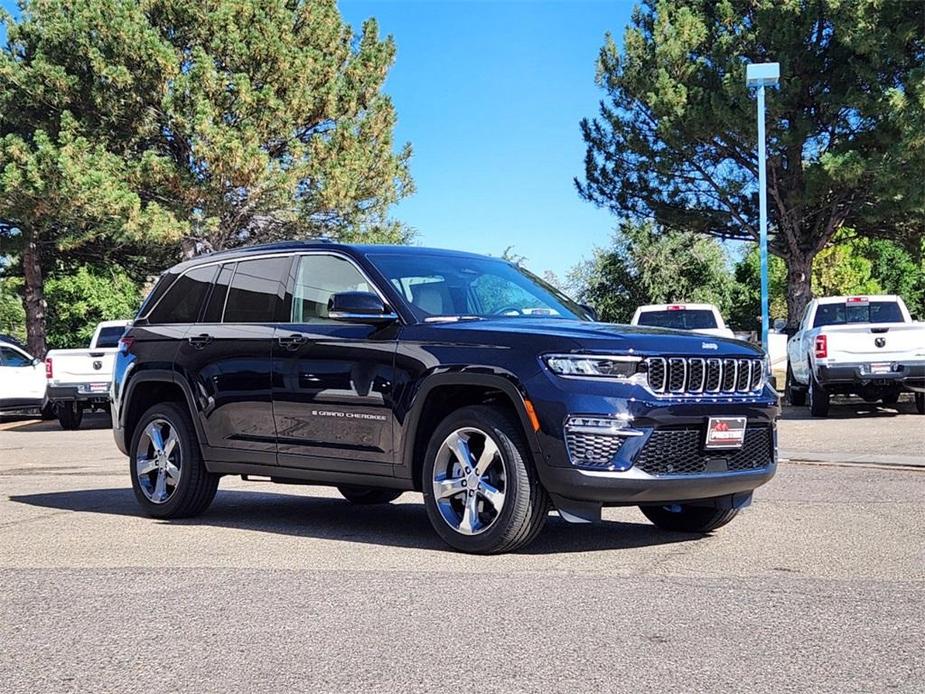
596, 441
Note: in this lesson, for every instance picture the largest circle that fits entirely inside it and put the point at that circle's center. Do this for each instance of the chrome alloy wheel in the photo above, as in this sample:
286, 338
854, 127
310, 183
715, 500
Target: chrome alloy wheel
157, 462
469, 481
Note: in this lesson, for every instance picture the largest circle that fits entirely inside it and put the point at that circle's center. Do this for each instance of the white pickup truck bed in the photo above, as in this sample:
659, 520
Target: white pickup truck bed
80, 378
864, 345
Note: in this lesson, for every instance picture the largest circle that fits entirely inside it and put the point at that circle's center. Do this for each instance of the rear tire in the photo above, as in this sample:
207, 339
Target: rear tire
176, 484
818, 398
683, 518
70, 415
920, 403
491, 500
795, 396
365, 496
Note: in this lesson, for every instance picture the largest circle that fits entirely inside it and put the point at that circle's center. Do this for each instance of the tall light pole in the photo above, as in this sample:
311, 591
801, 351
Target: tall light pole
762, 75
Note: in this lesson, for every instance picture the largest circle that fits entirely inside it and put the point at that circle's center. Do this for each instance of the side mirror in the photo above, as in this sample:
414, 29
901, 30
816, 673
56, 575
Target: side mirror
36, 361
360, 307
591, 311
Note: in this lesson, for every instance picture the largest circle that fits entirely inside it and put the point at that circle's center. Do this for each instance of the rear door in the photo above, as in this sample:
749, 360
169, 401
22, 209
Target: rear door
332, 380
225, 357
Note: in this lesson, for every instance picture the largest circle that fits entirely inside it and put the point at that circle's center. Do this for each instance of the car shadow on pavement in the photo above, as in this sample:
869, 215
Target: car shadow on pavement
396, 525
851, 409
31, 425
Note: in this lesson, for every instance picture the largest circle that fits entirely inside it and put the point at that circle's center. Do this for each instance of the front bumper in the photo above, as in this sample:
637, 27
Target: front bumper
634, 487
910, 374
635, 474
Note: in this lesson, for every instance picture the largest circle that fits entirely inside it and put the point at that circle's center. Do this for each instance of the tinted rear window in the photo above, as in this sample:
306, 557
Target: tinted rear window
257, 292
183, 301
216, 303
870, 312
693, 319
109, 337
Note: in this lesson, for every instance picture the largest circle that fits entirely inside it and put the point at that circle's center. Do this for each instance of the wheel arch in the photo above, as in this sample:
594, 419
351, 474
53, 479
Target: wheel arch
444, 393
148, 388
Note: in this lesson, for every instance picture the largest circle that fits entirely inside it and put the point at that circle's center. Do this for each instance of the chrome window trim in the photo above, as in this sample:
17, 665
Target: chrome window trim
262, 256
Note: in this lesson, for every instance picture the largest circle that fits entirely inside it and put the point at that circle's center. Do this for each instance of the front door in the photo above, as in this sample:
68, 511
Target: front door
22, 380
332, 381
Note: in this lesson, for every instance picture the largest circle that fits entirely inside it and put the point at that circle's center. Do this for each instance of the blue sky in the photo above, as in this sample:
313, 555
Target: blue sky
490, 94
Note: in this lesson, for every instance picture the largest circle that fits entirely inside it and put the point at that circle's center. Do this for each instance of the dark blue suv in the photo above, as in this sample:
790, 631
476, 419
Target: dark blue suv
380, 370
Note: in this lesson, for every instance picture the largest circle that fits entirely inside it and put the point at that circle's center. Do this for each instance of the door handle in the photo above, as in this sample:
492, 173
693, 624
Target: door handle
200, 341
292, 342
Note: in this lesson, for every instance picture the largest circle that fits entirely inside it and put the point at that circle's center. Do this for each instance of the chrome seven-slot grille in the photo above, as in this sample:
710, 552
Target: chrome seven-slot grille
698, 375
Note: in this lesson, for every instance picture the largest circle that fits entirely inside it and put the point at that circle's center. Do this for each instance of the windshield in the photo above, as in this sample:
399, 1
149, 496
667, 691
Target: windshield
684, 319
437, 286
861, 312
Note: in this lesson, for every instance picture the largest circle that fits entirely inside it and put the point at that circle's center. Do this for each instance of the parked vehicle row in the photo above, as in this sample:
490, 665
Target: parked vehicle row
79, 379
859, 345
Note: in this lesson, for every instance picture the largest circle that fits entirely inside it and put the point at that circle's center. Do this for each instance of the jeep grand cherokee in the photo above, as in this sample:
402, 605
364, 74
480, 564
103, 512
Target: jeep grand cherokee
380, 370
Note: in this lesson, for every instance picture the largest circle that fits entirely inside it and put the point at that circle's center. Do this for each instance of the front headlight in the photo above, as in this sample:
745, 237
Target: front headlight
592, 365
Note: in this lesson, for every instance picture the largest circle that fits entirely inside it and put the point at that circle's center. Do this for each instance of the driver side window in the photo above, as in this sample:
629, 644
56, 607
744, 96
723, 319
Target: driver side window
10, 357
318, 278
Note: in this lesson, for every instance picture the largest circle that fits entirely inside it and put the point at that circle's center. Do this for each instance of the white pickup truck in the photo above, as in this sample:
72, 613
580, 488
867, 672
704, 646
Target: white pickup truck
79, 379
860, 345
698, 318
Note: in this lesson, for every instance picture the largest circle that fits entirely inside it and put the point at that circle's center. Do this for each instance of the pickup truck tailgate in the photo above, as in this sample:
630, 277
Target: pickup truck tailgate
867, 341
82, 366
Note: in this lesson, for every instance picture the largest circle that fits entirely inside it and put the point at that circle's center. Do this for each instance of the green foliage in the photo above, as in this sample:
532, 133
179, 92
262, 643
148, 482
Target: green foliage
12, 315
78, 301
848, 266
247, 120
745, 312
839, 270
675, 139
132, 131
648, 266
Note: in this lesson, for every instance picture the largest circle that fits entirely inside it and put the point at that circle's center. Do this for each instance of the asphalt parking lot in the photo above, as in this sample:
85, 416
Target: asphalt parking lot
820, 585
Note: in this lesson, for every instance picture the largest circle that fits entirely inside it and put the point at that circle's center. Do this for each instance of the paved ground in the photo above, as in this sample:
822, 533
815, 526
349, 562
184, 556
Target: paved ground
819, 586
856, 431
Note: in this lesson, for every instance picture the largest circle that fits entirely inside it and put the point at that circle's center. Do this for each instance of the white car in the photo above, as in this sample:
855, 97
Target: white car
79, 379
862, 345
22, 379
699, 318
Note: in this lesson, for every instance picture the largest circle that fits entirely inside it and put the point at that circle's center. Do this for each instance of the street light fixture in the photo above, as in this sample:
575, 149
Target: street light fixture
762, 75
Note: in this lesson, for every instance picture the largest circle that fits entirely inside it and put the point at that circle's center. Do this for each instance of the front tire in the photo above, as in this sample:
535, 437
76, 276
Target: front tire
70, 415
920, 403
683, 518
366, 496
481, 491
818, 398
169, 477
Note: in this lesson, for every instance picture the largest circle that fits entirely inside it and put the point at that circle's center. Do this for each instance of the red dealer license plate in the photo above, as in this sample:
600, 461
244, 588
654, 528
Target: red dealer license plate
725, 432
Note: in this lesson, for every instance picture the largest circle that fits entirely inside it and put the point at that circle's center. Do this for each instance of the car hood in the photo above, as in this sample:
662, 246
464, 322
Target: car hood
609, 337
